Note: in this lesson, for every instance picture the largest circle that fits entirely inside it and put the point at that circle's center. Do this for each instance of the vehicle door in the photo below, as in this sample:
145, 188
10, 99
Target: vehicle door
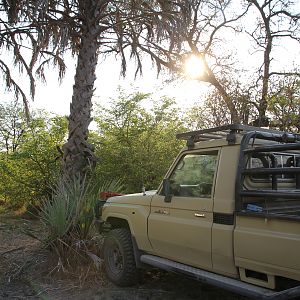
181, 229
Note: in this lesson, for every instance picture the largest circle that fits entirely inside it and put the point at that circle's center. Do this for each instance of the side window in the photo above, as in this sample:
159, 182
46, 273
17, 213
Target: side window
269, 160
194, 175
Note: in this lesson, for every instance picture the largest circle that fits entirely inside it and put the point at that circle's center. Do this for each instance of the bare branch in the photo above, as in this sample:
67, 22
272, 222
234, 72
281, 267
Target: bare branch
284, 73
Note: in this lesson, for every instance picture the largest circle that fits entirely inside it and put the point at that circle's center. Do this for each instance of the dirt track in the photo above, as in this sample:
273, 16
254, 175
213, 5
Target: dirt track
27, 272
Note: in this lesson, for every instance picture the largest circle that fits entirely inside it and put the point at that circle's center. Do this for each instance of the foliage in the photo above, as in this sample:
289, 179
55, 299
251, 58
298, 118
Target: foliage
283, 108
30, 167
284, 105
212, 113
68, 217
18, 34
135, 144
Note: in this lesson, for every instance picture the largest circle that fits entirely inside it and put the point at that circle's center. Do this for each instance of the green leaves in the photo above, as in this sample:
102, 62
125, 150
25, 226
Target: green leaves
284, 105
30, 163
68, 216
66, 208
135, 144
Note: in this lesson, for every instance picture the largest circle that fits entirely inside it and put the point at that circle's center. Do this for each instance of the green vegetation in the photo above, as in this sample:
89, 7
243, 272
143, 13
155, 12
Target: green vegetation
30, 160
137, 145
133, 144
284, 104
69, 216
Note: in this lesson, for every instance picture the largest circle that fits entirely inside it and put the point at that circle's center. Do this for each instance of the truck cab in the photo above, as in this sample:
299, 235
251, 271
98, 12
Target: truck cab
226, 213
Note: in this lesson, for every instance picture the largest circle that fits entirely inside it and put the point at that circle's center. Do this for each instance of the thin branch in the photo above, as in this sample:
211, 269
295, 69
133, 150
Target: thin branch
285, 73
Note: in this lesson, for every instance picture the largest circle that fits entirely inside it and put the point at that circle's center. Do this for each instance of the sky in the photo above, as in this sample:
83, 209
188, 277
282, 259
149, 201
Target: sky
55, 97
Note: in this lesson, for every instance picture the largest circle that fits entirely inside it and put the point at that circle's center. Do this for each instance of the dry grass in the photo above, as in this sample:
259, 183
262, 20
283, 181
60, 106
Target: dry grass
27, 271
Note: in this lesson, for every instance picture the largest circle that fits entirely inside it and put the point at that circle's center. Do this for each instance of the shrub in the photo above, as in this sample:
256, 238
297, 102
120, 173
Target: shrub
68, 217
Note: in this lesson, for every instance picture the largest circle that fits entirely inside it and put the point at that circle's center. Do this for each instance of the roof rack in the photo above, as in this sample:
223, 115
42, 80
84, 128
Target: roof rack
229, 132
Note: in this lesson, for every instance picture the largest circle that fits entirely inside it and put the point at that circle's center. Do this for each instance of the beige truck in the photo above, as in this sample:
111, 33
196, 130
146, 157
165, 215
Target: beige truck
227, 213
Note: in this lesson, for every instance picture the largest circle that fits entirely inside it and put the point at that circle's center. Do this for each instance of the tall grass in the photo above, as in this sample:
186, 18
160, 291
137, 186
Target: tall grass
68, 217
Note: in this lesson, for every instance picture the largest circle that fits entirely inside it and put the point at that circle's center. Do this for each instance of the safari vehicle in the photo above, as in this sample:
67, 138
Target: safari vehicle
227, 214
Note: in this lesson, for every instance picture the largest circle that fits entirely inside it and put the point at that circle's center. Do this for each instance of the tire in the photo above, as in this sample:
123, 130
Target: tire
119, 259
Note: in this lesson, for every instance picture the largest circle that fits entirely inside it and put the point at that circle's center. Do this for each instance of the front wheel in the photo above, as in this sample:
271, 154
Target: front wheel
119, 259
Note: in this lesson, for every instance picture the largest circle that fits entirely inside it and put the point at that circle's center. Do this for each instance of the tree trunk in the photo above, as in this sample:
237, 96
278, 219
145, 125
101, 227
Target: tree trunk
78, 153
263, 103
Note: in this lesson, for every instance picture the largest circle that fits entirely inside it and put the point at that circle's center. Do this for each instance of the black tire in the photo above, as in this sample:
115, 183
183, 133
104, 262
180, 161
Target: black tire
119, 259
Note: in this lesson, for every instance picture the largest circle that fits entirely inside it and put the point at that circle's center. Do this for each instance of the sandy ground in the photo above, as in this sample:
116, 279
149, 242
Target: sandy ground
29, 272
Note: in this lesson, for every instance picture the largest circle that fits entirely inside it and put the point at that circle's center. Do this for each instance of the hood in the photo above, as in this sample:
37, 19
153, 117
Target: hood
138, 198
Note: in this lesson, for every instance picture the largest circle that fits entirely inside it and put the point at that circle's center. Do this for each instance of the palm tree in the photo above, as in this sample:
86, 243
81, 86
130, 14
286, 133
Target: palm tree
90, 28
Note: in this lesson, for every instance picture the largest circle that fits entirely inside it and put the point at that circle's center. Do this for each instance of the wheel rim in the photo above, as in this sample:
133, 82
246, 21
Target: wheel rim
115, 258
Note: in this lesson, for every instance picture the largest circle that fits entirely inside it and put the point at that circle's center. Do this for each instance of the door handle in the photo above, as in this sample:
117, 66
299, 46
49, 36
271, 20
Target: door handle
199, 215
162, 212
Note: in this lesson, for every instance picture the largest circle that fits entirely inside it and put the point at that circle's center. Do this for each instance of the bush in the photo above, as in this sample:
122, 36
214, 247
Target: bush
135, 144
68, 218
30, 168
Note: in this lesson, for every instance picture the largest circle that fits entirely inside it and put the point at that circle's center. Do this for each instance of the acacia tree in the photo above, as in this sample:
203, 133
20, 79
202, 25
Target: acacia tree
91, 28
210, 22
276, 21
203, 37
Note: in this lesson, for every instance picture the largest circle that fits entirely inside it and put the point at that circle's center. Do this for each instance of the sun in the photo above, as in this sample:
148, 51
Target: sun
194, 67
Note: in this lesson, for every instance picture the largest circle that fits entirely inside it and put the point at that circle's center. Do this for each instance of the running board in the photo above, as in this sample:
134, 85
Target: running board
224, 282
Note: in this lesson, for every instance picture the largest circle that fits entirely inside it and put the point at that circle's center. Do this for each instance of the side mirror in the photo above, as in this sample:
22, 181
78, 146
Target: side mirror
166, 190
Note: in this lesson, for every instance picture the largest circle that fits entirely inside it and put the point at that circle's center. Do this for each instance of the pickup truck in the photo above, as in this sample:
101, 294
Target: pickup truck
227, 213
